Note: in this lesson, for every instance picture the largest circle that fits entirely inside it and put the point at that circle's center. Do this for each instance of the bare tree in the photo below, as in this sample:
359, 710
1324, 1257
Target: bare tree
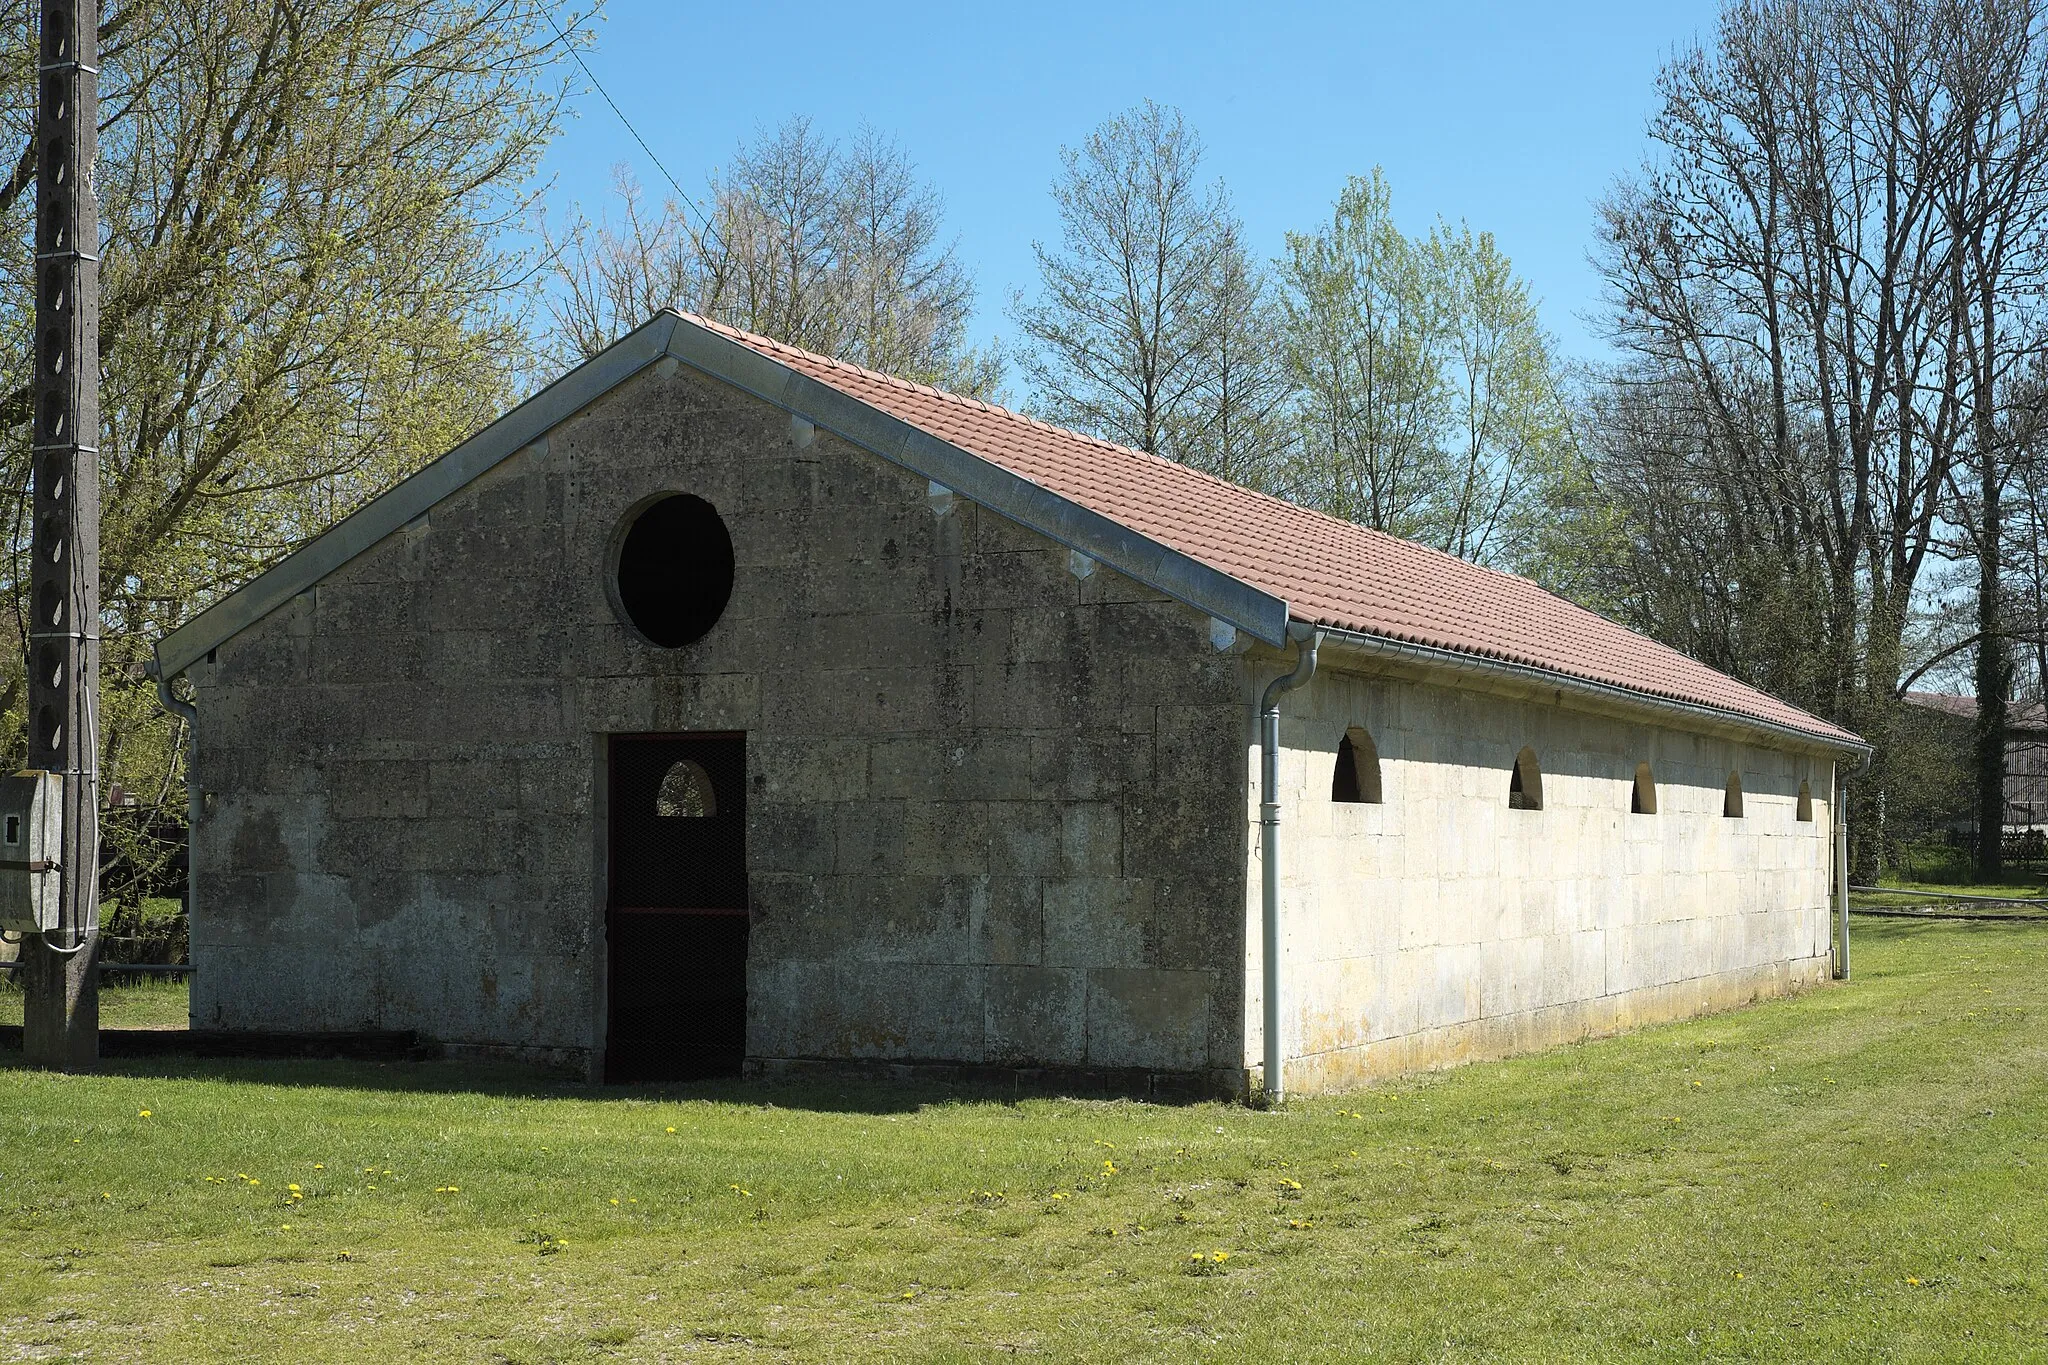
1995, 207
1123, 320
1813, 271
905, 296
1238, 422
836, 249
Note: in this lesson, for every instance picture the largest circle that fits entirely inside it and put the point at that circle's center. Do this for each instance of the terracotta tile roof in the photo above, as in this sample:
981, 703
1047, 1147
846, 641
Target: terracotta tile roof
1330, 572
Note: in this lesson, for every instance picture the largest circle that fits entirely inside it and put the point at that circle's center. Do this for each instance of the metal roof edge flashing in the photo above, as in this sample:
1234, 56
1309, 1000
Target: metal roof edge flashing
1697, 713
413, 496
1180, 576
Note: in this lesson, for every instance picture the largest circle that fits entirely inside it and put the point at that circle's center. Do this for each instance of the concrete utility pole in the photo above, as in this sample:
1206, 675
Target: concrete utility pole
60, 971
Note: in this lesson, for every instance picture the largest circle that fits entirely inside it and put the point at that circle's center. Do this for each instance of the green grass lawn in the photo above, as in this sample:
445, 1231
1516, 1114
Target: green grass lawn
159, 1002
2019, 889
1858, 1173
1936, 898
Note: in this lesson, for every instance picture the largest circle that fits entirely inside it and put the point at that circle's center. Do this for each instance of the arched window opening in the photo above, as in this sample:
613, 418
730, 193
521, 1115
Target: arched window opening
1643, 800
1806, 802
1525, 787
686, 793
1358, 769
1731, 801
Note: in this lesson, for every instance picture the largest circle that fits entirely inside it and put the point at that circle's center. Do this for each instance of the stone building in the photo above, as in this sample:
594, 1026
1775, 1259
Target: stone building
723, 703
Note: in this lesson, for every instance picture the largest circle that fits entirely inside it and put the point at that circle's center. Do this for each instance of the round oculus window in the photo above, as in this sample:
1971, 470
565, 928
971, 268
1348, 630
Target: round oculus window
674, 570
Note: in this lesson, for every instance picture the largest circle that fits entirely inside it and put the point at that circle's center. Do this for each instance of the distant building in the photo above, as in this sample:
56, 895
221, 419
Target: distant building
2026, 756
726, 705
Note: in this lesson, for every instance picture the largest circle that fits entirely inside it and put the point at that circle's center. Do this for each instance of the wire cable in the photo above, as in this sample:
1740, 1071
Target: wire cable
598, 85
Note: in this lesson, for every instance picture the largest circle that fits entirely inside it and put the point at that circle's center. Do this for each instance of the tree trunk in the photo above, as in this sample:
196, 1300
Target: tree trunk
1994, 670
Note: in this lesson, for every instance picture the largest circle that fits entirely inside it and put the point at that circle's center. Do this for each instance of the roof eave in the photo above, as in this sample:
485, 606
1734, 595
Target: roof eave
1695, 715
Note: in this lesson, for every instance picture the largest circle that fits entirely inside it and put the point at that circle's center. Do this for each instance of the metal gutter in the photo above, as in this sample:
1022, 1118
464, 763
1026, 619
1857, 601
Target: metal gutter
1696, 713
1269, 854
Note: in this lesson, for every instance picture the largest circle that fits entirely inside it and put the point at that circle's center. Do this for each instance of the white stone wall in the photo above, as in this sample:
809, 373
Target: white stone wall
1442, 925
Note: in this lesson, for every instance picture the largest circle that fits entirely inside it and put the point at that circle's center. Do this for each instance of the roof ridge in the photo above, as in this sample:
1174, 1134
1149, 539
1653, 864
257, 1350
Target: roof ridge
1325, 569
1284, 505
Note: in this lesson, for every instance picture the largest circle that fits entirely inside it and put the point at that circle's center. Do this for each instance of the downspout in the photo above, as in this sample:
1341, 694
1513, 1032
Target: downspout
1308, 642
187, 712
1842, 869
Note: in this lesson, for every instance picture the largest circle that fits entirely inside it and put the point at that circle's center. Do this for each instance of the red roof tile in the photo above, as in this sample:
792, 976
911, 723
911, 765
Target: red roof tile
1330, 572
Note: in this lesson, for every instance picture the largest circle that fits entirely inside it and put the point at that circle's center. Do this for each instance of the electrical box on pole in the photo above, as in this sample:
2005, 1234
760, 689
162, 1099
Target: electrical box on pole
59, 971
31, 844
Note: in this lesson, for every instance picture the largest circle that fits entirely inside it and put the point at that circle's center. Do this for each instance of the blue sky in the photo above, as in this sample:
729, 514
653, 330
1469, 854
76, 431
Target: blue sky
1515, 118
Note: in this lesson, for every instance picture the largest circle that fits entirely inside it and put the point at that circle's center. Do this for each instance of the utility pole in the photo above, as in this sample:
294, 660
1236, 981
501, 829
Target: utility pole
60, 971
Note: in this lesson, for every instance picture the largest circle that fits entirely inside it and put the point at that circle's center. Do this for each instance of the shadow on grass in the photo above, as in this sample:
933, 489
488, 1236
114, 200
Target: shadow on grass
850, 1094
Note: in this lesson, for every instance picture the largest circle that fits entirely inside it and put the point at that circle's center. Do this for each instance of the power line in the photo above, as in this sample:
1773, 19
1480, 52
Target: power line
598, 85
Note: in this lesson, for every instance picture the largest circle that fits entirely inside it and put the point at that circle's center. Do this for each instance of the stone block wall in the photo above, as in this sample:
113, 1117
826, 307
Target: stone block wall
994, 807
1441, 925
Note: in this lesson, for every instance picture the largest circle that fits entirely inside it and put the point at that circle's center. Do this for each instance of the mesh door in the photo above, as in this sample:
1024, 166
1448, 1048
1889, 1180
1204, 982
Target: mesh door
678, 917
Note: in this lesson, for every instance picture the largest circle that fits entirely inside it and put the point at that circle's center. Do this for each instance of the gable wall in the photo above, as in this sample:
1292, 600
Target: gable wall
1442, 925
992, 807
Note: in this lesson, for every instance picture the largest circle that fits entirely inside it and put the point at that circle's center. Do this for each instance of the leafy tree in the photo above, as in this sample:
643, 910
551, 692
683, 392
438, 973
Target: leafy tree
304, 290
1428, 402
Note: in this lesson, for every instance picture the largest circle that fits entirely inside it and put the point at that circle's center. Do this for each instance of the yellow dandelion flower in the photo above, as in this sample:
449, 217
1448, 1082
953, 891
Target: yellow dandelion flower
144, 1114
671, 1129
1911, 1280
614, 1203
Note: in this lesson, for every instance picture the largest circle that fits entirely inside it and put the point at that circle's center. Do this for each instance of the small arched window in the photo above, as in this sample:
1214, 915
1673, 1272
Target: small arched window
686, 793
1357, 780
1806, 802
1525, 787
1731, 800
1643, 799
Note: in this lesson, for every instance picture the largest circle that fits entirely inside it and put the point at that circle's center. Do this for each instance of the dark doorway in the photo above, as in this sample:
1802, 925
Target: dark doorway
676, 921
